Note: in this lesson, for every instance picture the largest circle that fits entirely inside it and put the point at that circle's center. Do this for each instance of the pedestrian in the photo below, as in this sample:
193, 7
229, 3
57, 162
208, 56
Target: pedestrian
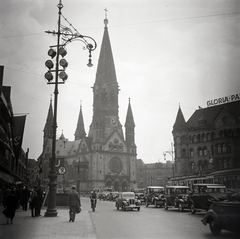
33, 200
11, 206
73, 203
39, 201
6, 192
25, 198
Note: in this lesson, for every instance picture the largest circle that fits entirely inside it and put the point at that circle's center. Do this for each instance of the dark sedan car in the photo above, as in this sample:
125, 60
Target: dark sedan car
127, 200
224, 215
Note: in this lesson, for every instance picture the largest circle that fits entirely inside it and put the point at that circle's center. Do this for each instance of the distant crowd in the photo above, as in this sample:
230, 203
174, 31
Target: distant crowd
13, 197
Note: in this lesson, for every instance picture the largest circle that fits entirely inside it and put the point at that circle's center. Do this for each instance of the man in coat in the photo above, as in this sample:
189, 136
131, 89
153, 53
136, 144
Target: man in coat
73, 202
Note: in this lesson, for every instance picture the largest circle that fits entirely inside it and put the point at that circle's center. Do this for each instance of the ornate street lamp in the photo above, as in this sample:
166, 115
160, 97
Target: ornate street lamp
171, 152
67, 35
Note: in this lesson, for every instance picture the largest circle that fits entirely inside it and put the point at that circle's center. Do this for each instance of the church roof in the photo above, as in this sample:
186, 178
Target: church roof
180, 121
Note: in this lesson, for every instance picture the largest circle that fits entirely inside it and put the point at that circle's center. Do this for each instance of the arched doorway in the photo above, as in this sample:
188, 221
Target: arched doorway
116, 186
124, 186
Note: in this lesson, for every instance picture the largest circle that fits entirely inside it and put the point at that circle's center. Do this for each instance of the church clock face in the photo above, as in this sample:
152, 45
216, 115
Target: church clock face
115, 165
113, 121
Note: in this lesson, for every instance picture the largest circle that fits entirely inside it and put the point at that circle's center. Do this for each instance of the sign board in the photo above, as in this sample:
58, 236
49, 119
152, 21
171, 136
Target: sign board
223, 100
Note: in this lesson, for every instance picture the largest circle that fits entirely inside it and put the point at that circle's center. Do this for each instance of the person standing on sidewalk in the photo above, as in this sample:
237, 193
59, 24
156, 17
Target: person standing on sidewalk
73, 203
11, 205
39, 201
33, 200
24, 198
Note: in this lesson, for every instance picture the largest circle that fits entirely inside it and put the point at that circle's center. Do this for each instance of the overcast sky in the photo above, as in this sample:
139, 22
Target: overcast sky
167, 53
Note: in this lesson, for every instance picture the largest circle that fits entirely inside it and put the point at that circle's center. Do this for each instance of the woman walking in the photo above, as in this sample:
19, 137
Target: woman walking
74, 203
11, 205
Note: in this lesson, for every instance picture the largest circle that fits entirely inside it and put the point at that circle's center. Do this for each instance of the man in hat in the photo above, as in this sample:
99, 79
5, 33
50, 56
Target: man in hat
73, 202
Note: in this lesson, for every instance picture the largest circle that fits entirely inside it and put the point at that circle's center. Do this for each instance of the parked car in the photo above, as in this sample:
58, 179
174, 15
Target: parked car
154, 196
103, 195
203, 195
113, 196
127, 200
140, 194
224, 215
176, 197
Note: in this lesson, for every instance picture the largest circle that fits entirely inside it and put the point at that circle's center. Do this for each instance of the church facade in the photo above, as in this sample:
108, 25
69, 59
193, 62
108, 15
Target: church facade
106, 157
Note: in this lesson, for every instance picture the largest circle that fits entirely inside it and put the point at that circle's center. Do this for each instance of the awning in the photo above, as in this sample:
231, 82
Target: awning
6, 177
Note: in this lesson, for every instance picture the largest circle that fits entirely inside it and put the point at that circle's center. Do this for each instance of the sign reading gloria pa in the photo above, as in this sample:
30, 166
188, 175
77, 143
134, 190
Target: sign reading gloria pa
223, 100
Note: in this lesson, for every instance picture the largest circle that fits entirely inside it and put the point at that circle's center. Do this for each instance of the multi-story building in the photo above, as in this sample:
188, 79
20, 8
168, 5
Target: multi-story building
207, 145
153, 174
106, 157
12, 157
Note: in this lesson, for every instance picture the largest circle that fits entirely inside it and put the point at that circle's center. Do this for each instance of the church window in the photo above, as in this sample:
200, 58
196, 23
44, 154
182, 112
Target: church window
115, 165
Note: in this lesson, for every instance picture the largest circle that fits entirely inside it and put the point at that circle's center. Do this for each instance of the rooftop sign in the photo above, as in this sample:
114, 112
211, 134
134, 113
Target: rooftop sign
223, 100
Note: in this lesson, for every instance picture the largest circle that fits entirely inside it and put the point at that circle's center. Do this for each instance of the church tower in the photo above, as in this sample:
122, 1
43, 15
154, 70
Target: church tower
113, 159
80, 131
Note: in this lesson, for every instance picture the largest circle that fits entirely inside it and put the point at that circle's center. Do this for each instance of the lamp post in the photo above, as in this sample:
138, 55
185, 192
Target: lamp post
67, 35
171, 152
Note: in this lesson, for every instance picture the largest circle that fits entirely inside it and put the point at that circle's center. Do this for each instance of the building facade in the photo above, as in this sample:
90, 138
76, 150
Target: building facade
12, 164
106, 157
207, 145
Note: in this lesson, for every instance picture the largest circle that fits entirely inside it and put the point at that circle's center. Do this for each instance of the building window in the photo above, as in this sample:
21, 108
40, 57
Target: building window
229, 148
205, 151
219, 149
224, 148
194, 139
204, 137
191, 153
198, 138
200, 152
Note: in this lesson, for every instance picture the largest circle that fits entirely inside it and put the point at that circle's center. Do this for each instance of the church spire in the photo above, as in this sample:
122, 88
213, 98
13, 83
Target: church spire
80, 131
105, 92
129, 126
48, 129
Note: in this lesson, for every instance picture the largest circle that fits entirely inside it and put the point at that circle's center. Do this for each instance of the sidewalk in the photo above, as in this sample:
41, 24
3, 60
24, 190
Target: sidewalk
26, 227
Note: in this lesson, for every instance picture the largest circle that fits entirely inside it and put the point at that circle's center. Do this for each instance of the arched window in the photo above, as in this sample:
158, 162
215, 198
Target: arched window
200, 152
198, 138
224, 148
183, 153
191, 153
205, 151
192, 167
204, 137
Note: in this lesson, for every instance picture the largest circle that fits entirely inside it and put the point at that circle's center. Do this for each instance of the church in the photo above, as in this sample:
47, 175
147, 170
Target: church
106, 157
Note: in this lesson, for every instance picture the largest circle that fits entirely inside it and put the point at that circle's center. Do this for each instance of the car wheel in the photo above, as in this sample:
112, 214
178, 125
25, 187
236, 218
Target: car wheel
180, 207
139, 209
123, 208
146, 204
192, 208
117, 207
155, 203
165, 205
214, 227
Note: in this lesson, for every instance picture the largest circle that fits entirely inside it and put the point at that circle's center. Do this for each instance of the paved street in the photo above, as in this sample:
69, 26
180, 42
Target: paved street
149, 223
108, 223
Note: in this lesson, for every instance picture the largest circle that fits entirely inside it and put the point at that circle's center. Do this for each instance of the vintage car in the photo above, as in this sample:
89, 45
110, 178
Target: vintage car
176, 197
103, 195
224, 215
127, 200
140, 194
154, 196
203, 195
113, 196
